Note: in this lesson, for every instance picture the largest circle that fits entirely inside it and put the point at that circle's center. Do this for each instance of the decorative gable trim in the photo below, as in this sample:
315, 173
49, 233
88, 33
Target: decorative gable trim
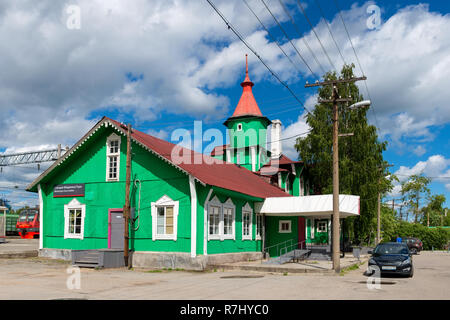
106, 123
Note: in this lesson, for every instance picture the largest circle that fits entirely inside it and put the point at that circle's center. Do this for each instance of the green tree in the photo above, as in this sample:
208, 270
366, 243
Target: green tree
414, 189
388, 224
433, 213
360, 155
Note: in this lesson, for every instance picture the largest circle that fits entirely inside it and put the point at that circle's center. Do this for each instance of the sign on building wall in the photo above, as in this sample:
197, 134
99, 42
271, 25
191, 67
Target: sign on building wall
68, 190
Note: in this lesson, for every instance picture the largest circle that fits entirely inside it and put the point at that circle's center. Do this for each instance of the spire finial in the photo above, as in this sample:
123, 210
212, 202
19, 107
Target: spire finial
246, 64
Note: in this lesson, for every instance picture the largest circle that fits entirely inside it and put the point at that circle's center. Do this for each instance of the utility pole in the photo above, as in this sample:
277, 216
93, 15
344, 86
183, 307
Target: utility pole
417, 206
379, 204
126, 208
335, 222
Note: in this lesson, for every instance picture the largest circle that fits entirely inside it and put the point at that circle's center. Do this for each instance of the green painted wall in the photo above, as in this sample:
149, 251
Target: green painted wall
319, 237
253, 132
227, 245
157, 178
274, 237
89, 166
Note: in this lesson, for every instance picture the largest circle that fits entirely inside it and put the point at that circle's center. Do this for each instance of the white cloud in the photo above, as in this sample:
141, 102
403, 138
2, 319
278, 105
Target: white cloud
403, 60
436, 166
419, 150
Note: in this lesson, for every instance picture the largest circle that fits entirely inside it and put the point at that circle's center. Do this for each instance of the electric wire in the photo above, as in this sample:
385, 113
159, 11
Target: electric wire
271, 36
292, 44
329, 30
359, 62
300, 35
231, 27
315, 33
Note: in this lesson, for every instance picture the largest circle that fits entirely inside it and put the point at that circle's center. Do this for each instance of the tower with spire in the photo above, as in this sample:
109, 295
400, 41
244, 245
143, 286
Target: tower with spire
247, 129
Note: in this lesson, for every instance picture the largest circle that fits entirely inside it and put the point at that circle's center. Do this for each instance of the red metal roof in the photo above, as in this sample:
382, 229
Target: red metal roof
247, 105
282, 160
208, 170
219, 150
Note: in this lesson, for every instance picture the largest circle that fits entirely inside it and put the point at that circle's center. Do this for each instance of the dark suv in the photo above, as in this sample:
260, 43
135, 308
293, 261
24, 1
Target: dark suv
414, 244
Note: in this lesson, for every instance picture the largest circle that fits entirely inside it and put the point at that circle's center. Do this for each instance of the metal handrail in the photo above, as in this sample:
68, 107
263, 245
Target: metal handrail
279, 251
265, 250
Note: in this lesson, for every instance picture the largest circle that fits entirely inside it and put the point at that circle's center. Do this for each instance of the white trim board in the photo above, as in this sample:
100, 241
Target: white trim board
313, 206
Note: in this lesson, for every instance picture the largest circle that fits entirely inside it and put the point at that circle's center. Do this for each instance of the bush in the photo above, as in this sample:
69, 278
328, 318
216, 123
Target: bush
431, 238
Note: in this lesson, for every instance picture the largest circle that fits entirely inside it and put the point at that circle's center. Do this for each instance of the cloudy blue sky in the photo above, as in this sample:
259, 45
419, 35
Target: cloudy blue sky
163, 64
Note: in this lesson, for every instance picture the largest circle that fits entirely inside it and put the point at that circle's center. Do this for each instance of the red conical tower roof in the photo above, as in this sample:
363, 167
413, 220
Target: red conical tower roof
247, 105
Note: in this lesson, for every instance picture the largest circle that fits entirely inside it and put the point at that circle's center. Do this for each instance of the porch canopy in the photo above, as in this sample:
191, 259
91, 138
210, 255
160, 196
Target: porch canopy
309, 206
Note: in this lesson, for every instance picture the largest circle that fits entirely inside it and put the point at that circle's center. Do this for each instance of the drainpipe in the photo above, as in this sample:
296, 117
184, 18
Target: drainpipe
127, 197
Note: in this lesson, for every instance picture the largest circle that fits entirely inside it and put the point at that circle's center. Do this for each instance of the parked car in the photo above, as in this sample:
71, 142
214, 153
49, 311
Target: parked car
391, 258
415, 245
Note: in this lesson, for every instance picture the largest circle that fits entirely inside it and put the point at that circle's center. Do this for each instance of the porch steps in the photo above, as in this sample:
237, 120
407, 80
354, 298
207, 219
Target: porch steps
86, 258
101, 258
320, 252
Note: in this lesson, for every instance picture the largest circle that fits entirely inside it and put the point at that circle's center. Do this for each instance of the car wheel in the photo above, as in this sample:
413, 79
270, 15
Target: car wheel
411, 273
413, 250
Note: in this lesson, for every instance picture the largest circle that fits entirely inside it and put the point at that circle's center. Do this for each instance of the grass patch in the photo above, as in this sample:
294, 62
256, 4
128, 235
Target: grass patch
154, 271
350, 268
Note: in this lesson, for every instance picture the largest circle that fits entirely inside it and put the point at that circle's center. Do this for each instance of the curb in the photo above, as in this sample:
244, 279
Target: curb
272, 269
19, 255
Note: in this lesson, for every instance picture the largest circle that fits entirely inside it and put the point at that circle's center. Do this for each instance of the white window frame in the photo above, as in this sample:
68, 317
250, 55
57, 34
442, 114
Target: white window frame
281, 222
229, 205
112, 137
215, 202
258, 236
302, 191
73, 205
286, 184
164, 201
248, 210
239, 127
321, 223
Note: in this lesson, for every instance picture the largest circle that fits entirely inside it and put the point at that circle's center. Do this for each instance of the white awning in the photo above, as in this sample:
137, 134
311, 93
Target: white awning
308, 206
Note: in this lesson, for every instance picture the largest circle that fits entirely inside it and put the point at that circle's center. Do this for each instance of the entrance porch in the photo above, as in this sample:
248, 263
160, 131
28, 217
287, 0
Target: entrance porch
302, 223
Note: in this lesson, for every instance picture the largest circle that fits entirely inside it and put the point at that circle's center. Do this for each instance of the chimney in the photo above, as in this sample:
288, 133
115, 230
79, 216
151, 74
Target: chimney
275, 136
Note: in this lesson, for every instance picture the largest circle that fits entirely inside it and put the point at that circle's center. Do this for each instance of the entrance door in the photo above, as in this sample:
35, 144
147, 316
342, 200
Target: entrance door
116, 229
301, 230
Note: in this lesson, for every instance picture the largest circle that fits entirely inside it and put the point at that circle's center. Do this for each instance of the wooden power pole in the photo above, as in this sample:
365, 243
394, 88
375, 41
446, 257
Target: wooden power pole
126, 208
335, 222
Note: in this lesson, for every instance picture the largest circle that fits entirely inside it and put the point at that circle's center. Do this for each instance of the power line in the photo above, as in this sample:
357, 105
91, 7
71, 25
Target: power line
272, 37
300, 35
292, 44
230, 26
329, 30
314, 31
359, 62
294, 136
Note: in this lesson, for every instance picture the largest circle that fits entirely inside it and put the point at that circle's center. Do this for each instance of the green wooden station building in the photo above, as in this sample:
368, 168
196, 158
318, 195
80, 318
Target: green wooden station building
189, 210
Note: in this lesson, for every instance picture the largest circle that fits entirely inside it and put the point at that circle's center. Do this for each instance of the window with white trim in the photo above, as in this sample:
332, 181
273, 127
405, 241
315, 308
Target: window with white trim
239, 127
214, 213
228, 221
74, 213
284, 226
287, 186
259, 225
322, 226
247, 214
221, 220
164, 219
112, 157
